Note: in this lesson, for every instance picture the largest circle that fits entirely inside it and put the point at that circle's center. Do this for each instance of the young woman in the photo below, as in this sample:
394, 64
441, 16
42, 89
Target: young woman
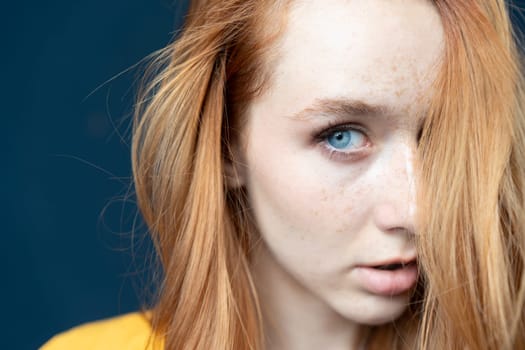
332, 175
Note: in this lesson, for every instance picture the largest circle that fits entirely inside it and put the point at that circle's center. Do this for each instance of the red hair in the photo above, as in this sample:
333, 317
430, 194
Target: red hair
471, 168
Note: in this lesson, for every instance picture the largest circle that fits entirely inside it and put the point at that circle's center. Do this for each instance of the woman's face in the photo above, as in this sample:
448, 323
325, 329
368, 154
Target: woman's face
329, 151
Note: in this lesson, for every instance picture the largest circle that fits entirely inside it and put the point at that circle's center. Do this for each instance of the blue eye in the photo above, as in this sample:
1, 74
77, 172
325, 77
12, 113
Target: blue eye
344, 139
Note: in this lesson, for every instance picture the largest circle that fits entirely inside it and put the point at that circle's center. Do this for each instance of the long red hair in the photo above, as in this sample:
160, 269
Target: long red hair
471, 166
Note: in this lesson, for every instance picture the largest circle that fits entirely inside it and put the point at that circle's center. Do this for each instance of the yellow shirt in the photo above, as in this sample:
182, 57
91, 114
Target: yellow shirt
131, 331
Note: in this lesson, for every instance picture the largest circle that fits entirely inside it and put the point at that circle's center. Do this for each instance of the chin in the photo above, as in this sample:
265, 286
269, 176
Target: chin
376, 310
379, 319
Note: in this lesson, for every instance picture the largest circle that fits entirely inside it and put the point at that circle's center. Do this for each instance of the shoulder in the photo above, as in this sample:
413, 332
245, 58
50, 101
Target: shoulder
131, 331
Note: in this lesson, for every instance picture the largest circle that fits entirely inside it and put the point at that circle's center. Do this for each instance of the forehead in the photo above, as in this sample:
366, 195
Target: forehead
379, 51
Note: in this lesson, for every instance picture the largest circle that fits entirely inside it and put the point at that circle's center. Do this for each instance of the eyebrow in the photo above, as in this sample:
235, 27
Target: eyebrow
341, 107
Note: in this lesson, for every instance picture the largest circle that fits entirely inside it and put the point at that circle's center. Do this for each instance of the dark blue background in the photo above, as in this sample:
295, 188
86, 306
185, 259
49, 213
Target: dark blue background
67, 251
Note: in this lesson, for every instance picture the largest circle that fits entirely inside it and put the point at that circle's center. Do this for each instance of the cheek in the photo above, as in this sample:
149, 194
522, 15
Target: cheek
308, 213
285, 203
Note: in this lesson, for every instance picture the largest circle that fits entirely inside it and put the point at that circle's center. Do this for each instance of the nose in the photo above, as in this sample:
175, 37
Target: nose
395, 208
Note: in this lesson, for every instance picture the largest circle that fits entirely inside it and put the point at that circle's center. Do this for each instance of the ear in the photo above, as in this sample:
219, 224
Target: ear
234, 166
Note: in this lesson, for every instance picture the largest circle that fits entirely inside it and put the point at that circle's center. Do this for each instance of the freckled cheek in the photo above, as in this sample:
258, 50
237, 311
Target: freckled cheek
309, 212
288, 205
301, 196
349, 211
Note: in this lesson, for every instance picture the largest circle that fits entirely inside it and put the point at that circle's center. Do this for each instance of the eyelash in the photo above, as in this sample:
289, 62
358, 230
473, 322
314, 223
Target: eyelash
331, 152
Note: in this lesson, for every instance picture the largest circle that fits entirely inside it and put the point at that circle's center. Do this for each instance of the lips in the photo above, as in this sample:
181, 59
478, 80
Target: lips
388, 278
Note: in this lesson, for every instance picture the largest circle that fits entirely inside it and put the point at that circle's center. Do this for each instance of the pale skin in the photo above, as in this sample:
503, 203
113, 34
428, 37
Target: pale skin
327, 160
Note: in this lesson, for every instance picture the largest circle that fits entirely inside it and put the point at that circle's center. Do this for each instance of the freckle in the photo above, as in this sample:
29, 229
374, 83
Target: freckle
366, 78
324, 196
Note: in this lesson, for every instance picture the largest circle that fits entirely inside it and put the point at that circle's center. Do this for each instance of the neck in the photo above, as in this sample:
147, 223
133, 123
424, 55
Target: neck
293, 317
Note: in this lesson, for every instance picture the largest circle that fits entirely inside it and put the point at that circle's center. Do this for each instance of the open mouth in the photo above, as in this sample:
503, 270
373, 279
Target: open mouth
396, 266
388, 277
